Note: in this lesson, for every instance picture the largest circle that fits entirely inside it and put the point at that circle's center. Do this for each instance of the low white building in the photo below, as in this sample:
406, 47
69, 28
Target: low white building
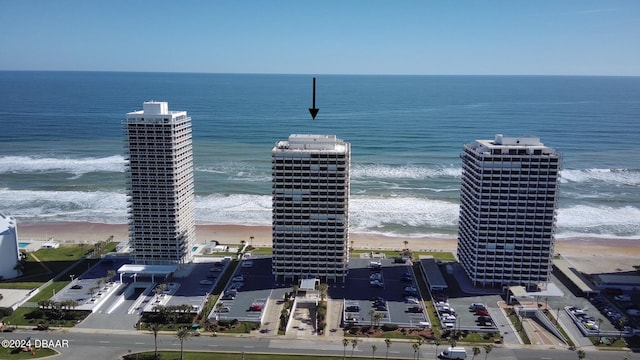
9, 252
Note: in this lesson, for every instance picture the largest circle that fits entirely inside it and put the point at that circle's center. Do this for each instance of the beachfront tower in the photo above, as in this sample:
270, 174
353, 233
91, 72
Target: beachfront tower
160, 185
9, 252
508, 204
310, 187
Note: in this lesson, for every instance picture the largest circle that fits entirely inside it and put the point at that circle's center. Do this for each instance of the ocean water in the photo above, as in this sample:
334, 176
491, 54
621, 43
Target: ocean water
61, 152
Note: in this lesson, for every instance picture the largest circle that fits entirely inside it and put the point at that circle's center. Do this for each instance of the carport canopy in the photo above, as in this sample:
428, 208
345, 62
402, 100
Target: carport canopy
153, 270
432, 273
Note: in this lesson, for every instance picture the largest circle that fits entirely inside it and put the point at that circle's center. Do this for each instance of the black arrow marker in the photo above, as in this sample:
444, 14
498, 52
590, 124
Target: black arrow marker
313, 110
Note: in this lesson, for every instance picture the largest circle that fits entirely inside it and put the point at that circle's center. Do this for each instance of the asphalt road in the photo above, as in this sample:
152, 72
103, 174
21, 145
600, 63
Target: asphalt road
111, 345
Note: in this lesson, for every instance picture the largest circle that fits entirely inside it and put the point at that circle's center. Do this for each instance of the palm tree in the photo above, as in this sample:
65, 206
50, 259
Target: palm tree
345, 342
388, 342
487, 350
72, 304
373, 350
155, 328
322, 289
476, 351
371, 315
622, 322
110, 275
416, 347
600, 320
159, 289
219, 306
377, 317
183, 334
354, 343
581, 354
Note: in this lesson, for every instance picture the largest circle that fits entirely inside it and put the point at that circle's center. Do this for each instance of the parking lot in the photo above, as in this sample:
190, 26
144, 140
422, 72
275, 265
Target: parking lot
246, 296
366, 294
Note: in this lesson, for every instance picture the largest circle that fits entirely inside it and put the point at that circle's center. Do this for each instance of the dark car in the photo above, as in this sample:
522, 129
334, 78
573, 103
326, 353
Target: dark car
415, 309
353, 308
76, 287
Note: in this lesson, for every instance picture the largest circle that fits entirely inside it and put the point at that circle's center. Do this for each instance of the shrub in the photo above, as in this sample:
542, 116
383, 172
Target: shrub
389, 327
35, 314
5, 311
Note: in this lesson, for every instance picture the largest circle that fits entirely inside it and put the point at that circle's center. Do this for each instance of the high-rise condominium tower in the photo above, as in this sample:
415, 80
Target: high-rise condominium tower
508, 207
160, 185
310, 187
9, 251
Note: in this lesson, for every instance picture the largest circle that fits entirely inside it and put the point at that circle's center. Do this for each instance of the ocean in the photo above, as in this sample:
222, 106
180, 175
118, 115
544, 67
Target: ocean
62, 149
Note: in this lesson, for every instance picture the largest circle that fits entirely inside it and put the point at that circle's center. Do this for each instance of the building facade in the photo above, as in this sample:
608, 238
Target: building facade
160, 185
310, 208
9, 250
508, 203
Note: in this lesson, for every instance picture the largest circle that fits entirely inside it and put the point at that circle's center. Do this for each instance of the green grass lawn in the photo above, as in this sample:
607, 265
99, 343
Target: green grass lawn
39, 353
390, 254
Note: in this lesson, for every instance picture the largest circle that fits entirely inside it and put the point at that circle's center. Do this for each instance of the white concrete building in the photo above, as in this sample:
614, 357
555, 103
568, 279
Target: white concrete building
9, 251
160, 185
310, 188
508, 205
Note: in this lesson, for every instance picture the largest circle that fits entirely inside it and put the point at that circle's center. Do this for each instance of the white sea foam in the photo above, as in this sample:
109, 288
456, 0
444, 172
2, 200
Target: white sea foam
98, 206
234, 209
400, 215
75, 166
611, 176
414, 172
622, 221
376, 213
237, 171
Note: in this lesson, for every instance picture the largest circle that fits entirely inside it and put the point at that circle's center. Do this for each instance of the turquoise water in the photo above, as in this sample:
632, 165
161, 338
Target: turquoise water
62, 157
23, 245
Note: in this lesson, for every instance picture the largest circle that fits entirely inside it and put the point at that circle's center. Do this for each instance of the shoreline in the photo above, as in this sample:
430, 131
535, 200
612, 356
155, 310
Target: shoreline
588, 254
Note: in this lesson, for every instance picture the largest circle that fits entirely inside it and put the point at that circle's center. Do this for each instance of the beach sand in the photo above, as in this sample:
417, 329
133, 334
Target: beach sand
589, 255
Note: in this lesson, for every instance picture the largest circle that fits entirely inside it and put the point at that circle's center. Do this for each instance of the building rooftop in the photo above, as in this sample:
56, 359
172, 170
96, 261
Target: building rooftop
311, 142
155, 109
6, 223
502, 145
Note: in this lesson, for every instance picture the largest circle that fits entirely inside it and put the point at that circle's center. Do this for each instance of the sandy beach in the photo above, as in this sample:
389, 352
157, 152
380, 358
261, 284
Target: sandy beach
590, 255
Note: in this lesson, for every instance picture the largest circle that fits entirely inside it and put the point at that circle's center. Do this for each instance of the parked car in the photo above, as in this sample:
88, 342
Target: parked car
477, 306
415, 309
410, 291
76, 287
353, 308
238, 278
482, 312
411, 300
256, 307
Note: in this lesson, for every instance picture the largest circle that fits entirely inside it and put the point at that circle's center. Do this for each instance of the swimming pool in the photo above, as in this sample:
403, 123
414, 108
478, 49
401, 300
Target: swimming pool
23, 245
193, 249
